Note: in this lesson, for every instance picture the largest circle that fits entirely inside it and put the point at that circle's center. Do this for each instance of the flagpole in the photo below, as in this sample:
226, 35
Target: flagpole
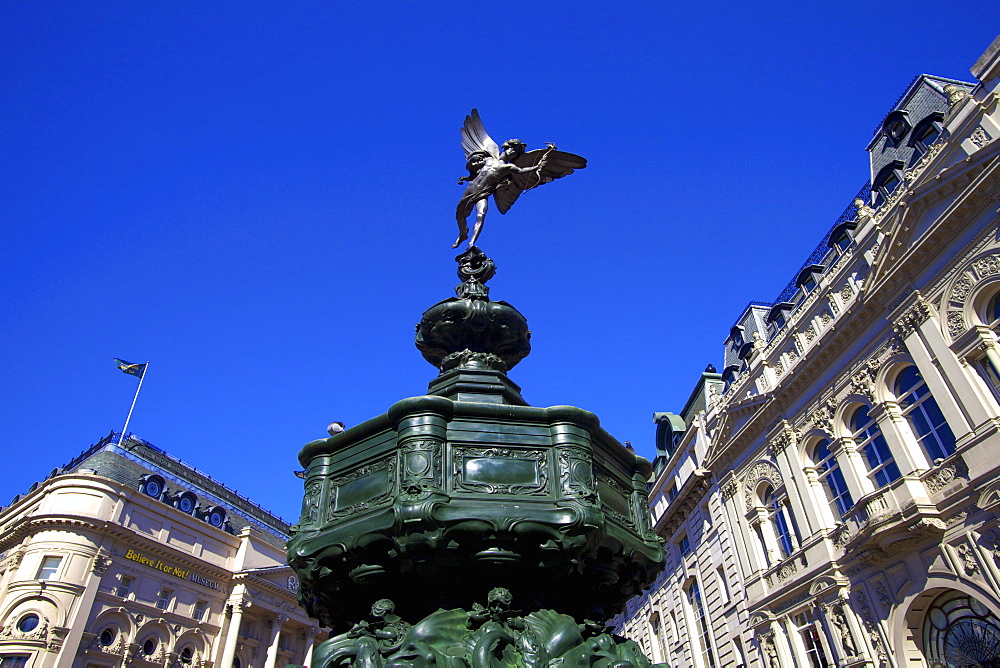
125, 428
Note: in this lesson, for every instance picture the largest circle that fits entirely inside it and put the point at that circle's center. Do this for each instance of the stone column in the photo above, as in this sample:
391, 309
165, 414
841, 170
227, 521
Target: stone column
899, 437
70, 645
272, 646
853, 465
233, 633
309, 635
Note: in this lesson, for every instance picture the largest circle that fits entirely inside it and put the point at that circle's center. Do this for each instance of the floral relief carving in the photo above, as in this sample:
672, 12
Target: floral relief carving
961, 288
987, 266
846, 293
779, 368
810, 333
788, 436
730, 489
956, 324
825, 318
883, 595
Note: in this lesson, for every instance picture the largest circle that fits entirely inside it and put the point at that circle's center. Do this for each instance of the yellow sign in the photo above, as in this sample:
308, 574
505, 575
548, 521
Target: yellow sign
132, 555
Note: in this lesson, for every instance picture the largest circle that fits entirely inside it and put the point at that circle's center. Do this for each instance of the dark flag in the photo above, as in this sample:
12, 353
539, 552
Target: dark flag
132, 369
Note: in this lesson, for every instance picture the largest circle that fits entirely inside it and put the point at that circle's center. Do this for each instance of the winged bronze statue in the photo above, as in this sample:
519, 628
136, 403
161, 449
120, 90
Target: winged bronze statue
504, 172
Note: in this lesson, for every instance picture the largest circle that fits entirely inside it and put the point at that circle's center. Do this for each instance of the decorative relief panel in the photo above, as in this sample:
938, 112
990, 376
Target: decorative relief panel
615, 498
362, 489
576, 473
501, 470
311, 502
421, 469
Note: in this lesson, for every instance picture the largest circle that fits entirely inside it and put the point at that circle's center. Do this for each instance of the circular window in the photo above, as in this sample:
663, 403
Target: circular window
186, 655
108, 636
186, 504
149, 647
28, 623
216, 517
153, 486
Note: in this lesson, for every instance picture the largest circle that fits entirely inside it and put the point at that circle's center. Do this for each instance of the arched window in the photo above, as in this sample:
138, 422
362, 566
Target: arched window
986, 369
832, 479
881, 467
924, 415
777, 516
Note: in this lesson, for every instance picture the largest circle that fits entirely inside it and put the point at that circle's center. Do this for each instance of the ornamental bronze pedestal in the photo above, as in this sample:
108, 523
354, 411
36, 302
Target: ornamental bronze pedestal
466, 528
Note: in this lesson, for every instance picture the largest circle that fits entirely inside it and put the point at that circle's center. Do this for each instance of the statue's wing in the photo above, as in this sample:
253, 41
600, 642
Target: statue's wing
557, 165
474, 137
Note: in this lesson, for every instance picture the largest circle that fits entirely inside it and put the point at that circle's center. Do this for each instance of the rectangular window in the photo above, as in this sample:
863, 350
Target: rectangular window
198, 614
124, 587
723, 585
163, 600
48, 568
701, 621
811, 641
13, 660
672, 492
684, 546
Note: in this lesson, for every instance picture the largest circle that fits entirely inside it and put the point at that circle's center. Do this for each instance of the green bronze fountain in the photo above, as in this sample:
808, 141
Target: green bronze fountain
466, 528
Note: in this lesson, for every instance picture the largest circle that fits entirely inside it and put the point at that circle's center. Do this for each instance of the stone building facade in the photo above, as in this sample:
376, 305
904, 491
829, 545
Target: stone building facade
129, 557
832, 498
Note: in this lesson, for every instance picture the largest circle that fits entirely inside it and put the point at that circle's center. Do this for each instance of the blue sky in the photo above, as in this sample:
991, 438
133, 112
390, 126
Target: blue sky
258, 199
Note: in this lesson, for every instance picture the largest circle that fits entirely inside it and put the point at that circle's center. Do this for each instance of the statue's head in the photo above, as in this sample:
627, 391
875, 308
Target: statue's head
383, 607
476, 160
515, 146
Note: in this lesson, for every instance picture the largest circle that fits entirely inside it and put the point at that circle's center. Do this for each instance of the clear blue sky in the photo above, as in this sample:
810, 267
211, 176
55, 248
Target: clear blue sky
258, 199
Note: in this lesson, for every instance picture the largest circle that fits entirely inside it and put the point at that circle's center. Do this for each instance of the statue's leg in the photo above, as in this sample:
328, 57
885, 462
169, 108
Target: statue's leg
464, 209
481, 207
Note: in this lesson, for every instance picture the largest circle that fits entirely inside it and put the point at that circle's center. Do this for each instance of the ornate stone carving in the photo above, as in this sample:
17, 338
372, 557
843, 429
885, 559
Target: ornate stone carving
770, 651
810, 333
101, 564
821, 415
968, 558
961, 288
841, 536
785, 438
910, 321
883, 595
825, 318
938, 479
992, 540
762, 470
730, 489
844, 631
872, 626
980, 137
956, 324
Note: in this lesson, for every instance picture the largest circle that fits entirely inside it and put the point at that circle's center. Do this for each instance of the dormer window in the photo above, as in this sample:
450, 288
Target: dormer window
890, 178
730, 375
778, 315
895, 127
926, 133
809, 277
736, 337
842, 235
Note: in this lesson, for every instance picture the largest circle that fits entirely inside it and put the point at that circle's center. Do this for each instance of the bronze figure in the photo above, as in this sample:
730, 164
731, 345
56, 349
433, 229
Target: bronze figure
504, 172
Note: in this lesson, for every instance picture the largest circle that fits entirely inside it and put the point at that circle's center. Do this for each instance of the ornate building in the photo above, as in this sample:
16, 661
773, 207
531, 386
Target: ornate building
129, 557
832, 497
